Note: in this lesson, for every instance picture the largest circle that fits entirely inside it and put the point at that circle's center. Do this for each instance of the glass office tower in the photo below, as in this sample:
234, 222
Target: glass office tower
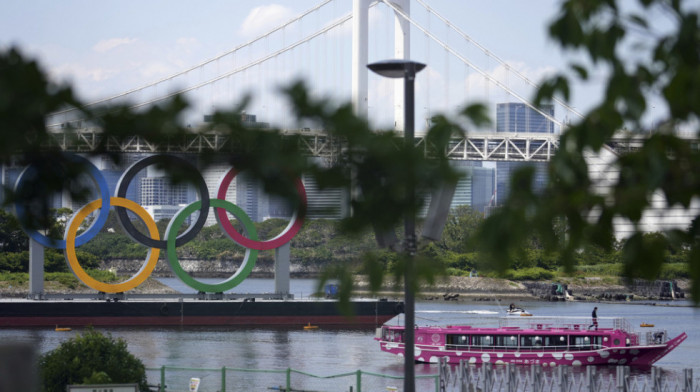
518, 117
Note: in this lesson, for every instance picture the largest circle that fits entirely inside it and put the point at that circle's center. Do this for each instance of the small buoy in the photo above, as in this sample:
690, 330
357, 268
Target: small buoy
62, 328
309, 326
526, 314
646, 325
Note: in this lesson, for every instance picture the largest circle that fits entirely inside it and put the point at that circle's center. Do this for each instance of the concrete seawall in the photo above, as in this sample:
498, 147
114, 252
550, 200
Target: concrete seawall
447, 288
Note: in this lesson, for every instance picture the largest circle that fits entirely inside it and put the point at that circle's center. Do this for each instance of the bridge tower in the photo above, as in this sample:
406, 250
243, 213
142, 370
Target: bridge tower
360, 40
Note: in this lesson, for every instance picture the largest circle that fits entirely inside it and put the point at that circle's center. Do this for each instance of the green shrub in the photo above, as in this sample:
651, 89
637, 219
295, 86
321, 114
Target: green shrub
614, 269
14, 278
64, 278
103, 275
14, 261
69, 280
533, 273
674, 271
454, 272
88, 357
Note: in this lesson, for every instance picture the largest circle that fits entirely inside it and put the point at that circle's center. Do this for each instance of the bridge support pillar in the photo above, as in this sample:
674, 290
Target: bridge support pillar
402, 51
360, 39
360, 36
282, 269
36, 269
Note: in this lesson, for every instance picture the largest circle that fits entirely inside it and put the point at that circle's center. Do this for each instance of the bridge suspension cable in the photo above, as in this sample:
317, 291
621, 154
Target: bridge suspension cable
471, 64
261, 60
309, 37
202, 64
338, 22
492, 55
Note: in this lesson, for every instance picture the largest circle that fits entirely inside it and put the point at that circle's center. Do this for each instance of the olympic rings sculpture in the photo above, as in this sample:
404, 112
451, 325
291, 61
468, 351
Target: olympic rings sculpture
171, 239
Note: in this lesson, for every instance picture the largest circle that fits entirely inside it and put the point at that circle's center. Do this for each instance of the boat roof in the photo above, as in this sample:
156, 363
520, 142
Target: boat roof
541, 324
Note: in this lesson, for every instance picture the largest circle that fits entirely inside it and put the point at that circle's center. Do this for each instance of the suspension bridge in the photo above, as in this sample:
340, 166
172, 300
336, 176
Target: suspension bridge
329, 46
331, 55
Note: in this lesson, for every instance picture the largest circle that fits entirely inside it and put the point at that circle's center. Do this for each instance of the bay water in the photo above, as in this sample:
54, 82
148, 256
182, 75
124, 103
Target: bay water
326, 352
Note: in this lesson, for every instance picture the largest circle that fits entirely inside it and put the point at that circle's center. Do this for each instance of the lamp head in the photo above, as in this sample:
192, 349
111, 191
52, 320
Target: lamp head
396, 68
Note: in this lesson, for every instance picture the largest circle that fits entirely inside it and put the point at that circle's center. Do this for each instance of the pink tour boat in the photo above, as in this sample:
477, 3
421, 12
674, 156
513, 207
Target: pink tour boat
537, 340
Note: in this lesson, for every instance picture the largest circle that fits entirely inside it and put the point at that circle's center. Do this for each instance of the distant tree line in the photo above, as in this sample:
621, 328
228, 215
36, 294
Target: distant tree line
321, 243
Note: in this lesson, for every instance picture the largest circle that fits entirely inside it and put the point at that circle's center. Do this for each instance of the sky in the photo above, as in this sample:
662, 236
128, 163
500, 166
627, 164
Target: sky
107, 47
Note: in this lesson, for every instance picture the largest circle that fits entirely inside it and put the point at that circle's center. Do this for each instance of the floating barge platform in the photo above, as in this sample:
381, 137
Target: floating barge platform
196, 310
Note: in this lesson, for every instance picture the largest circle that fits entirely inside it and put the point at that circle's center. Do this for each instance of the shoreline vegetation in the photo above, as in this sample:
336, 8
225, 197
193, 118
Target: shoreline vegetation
321, 245
448, 288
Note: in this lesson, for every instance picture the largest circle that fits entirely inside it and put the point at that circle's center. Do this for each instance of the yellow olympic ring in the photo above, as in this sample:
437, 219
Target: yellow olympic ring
80, 273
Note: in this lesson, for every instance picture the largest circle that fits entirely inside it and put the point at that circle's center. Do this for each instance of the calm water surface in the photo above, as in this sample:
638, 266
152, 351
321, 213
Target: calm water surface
327, 352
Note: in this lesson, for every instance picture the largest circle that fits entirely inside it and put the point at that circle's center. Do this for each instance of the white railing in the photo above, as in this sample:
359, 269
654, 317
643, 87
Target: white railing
567, 323
535, 378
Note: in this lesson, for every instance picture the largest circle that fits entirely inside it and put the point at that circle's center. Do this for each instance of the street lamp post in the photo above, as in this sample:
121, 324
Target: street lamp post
407, 70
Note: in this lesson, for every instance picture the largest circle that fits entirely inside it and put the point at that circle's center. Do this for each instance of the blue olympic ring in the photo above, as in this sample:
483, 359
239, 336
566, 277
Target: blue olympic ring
91, 232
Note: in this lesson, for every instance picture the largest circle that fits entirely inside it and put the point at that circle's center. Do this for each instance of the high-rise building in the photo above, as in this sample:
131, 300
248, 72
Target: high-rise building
474, 189
213, 175
249, 196
483, 181
505, 170
325, 203
518, 117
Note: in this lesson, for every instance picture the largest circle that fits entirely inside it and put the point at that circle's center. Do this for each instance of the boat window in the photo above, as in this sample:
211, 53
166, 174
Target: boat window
579, 342
398, 336
482, 340
530, 341
393, 335
586, 342
506, 340
555, 341
457, 341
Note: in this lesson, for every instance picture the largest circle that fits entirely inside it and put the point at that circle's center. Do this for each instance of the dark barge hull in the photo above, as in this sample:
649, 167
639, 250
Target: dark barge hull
32, 313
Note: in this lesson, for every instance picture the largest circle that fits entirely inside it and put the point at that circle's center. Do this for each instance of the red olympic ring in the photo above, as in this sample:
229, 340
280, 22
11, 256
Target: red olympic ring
285, 236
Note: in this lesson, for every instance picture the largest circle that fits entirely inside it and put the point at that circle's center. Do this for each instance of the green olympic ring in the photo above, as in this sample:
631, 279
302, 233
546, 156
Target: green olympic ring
250, 255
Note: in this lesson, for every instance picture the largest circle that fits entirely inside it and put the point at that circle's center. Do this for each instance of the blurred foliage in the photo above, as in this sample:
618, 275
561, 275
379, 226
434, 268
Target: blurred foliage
12, 237
665, 67
459, 228
91, 357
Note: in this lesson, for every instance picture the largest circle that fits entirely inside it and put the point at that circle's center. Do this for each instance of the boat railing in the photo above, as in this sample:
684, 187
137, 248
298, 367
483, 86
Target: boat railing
564, 323
656, 337
622, 324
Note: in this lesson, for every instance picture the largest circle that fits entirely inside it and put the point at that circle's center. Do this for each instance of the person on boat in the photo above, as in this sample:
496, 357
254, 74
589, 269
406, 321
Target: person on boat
594, 316
512, 307
658, 337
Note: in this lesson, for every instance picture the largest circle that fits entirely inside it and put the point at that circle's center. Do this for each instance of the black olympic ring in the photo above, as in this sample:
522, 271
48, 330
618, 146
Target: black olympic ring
194, 176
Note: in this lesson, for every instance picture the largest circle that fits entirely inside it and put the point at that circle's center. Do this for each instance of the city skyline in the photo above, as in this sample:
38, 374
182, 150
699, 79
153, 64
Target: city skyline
485, 183
162, 200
